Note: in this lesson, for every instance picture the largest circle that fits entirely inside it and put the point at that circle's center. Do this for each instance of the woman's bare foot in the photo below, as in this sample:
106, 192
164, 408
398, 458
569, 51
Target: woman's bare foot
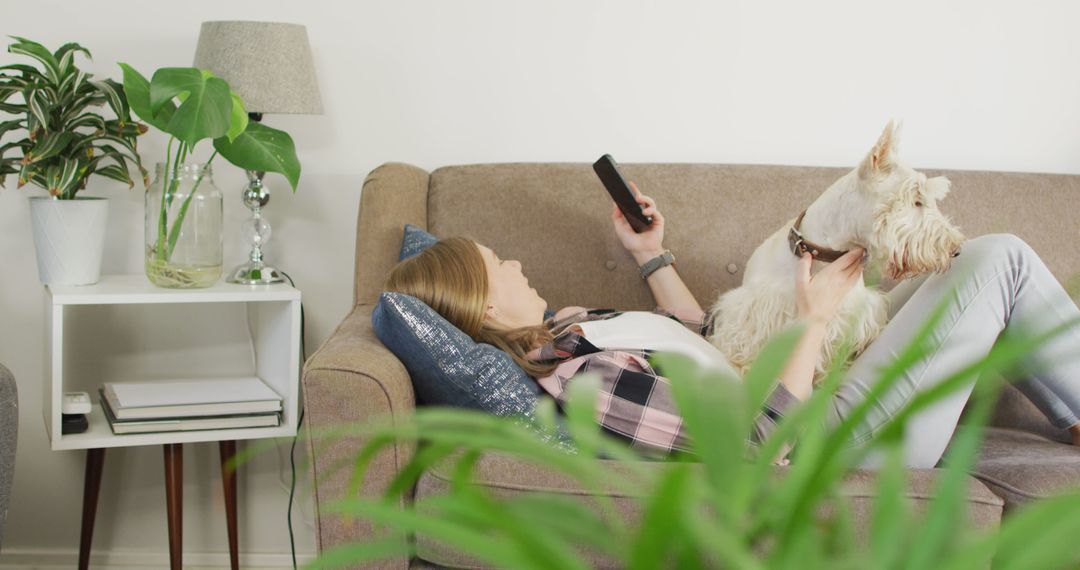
1075, 433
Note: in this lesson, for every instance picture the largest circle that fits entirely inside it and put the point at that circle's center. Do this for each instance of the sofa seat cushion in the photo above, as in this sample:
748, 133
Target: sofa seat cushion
1021, 466
507, 477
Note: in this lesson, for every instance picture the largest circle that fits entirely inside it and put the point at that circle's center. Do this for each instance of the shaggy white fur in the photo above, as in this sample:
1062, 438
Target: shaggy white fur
883, 206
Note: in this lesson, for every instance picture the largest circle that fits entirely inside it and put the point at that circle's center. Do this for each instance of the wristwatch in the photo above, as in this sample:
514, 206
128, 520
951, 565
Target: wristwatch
662, 260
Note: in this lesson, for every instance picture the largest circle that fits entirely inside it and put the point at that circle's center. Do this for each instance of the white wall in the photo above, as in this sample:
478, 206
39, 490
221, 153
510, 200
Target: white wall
980, 85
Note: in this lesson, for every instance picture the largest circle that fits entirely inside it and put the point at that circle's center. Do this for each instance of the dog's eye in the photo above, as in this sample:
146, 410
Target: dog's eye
918, 204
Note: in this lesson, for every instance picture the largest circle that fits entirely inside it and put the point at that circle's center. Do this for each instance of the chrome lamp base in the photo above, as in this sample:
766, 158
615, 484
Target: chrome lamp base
251, 273
257, 231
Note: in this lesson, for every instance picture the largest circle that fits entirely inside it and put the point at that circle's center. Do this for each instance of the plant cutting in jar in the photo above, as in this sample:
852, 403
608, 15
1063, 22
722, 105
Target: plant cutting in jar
192, 105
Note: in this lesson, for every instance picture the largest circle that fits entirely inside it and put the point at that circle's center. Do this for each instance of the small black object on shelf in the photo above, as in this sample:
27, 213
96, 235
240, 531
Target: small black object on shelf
73, 423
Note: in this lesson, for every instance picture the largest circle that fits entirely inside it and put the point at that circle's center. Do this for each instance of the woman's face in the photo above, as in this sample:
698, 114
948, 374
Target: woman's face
511, 302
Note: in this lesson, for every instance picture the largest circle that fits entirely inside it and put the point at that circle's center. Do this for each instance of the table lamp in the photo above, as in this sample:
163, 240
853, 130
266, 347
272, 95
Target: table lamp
269, 66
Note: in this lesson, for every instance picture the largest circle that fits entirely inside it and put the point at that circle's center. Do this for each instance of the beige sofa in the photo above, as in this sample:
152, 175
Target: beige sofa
554, 218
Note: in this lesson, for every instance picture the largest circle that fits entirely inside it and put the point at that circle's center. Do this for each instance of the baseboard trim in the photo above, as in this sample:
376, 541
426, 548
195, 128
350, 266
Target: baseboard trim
57, 558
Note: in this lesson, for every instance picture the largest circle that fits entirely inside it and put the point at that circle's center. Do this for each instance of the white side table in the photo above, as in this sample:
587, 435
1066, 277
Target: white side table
275, 311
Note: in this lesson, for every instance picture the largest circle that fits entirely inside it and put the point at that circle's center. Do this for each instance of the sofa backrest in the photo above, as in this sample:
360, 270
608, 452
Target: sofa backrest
555, 219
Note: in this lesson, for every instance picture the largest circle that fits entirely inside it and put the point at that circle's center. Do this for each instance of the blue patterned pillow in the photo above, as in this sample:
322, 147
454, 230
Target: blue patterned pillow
414, 241
446, 366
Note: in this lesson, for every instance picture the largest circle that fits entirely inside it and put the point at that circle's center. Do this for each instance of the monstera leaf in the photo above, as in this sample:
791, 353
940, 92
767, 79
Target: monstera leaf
205, 109
137, 89
262, 148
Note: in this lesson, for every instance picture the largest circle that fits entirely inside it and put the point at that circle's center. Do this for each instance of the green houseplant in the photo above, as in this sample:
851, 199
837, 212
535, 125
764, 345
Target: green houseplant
716, 508
57, 140
192, 105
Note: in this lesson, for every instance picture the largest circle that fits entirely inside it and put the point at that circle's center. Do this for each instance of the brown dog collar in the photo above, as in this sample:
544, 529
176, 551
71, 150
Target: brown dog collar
799, 245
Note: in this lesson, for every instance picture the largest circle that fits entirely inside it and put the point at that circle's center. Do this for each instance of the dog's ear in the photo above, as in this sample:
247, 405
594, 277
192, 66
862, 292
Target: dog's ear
938, 187
880, 159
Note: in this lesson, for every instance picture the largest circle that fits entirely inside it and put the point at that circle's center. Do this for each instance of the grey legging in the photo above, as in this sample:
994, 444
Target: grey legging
1000, 283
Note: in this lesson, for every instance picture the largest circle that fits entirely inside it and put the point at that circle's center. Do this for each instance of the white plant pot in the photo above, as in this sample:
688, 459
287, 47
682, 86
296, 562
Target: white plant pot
69, 236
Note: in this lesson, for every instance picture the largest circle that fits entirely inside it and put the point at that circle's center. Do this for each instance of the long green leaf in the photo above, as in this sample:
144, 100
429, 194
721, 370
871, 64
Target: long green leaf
467, 540
948, 510
892, 515
699, 398
569, 518
262, 149
661, 524
353, 554
1040, 535
473, 507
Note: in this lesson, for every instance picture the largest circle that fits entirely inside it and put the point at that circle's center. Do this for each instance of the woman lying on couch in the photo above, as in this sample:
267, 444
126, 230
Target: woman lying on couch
999, 282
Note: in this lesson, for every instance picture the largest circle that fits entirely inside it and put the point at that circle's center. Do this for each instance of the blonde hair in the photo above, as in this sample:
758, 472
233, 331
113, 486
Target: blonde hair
451, 278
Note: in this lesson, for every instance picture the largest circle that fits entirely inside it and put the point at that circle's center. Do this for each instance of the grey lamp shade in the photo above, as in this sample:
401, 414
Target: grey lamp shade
267, 64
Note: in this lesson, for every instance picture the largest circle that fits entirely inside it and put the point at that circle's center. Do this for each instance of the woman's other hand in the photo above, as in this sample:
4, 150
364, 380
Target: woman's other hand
818, 296
647, 244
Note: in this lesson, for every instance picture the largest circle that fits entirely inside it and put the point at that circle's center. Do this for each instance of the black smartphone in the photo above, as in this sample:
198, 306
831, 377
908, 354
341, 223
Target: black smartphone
621, 193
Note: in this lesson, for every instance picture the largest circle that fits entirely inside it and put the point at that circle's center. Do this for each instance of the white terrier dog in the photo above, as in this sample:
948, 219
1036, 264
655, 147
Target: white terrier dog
883, 206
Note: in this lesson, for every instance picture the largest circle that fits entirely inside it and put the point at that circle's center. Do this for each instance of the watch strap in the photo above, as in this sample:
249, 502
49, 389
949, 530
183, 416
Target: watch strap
663, 260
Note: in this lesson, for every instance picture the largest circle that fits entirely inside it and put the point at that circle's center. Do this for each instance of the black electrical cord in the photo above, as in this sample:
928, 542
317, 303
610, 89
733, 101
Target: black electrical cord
299, 423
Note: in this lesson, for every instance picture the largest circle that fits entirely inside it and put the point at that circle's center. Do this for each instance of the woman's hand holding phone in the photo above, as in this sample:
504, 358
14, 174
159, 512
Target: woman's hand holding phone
647, 244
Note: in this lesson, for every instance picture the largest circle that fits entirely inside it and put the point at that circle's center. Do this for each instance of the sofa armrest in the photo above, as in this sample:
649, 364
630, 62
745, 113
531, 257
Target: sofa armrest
394, 194
352, 378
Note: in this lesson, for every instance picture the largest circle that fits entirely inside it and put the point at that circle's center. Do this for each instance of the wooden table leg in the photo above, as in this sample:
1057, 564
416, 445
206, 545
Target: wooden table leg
228, 482
174, 500
95, 461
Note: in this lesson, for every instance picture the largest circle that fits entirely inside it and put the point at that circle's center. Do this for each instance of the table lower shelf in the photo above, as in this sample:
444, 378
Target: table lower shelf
100, 435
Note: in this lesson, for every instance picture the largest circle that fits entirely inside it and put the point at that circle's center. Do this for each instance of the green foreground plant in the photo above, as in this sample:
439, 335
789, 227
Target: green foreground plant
67, 141
192, 105
718, 507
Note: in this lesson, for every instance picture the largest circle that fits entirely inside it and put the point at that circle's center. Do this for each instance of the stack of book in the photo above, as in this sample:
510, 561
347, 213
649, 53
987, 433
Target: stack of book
188, 405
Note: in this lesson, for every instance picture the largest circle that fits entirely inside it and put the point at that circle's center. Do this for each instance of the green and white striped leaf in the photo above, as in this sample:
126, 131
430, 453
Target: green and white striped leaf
116, 172
10, 86
87, 120
38, 52
65, 57
72, 82
122, 129
11, 125
37, 102
26, 70
114, 95
59, 177
27, 173
50, 145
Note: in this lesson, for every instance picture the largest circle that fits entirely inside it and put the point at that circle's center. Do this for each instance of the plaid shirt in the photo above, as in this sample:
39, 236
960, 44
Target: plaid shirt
635, 402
